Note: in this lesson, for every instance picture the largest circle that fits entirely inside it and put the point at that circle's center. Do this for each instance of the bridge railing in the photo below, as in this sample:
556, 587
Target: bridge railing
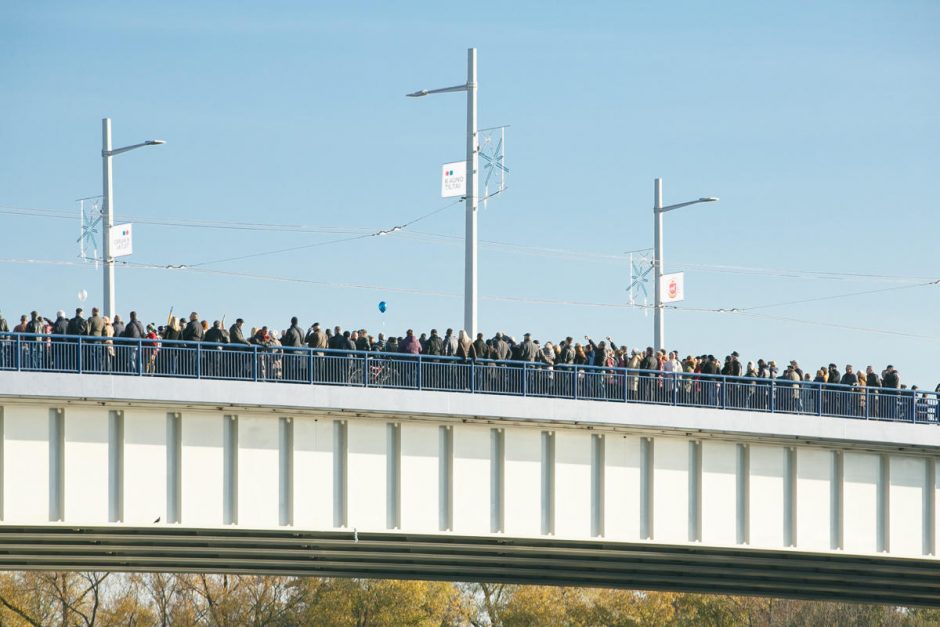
250, 362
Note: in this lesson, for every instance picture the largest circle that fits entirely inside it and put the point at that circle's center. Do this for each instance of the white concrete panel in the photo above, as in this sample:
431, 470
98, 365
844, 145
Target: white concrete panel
860, 502
906, 514
670, 490
367, 474
523, 481
622, 488
471, 479
313, 473
86, 464
420, 474
258, 470
766, 495
813, 499
572, 483
144, 466
719, 492
202, 469
936, 509
26, 464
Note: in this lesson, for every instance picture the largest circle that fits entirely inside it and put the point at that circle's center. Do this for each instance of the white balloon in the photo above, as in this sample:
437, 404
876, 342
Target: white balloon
82, 295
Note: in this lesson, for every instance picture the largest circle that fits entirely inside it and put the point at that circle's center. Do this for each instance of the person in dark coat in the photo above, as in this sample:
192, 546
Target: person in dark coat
117, 325
78, 325
480, 347
193, 331
236, 335
95, 324
435, 344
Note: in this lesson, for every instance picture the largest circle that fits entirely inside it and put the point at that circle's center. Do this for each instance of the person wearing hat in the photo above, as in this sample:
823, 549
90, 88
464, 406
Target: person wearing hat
528, 351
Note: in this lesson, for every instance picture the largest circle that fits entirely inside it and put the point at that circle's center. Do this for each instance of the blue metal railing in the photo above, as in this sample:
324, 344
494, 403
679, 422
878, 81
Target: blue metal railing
282, 364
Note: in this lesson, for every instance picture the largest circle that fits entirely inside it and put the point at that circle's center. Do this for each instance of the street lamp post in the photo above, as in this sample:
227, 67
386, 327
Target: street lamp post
659, 322
470, 268
108, 210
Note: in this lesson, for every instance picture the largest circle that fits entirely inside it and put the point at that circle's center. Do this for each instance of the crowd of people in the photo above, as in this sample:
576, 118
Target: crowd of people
500, 348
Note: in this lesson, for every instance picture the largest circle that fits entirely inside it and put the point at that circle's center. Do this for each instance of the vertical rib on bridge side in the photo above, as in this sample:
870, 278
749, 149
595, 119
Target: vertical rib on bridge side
340, 461
56, 464
285, 471
598, 463
743, 502
115, 466
837, 502
695, 491
446, 478
497, 480
548, 483
1, 463
883, 509
230, 470
393, 476
930, 508
646, 488
789, 497
174, 467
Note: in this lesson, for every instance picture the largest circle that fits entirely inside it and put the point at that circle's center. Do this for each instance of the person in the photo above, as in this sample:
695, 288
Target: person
890, 384
295, 364
528, 351
193, 332
96, 350
435, 344
107, 346
152, 348
168, 362
450, 343
316, 338
465, 347
134, 331
95, 324
78, 325
117, 326
410, 344
480, 347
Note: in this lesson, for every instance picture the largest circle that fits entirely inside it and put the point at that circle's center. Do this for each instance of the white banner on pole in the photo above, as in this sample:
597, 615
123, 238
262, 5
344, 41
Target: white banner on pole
121, 238
672, 287
454, 179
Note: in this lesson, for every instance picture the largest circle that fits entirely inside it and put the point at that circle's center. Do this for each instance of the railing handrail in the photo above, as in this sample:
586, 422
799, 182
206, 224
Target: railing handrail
678, 380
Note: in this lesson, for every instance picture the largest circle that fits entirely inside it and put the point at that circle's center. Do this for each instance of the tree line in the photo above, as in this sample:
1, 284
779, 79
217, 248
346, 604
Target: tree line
91, 598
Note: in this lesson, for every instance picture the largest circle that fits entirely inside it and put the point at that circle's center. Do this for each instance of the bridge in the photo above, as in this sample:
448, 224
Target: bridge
189, 457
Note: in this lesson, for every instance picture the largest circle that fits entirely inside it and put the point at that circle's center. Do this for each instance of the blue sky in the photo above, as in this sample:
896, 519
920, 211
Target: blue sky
816, 123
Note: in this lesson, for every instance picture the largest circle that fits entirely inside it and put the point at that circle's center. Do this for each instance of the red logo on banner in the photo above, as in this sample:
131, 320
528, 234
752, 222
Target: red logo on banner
673, 288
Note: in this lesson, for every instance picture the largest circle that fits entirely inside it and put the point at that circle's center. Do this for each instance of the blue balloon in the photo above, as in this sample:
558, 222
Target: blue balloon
382, 306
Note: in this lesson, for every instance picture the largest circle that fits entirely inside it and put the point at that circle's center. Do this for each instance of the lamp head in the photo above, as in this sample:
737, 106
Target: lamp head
709, 199
418, 94
154, 142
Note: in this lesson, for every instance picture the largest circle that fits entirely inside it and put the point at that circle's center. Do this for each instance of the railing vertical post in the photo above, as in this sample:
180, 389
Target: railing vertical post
914, 406
574, 380
773, 395
140, 358
819, 395
198, 361
254, 362
867, 404
366, 370
79, 356
675, 389
473, 376
18, 357
309, 366
724, 387
420, 379
525, 379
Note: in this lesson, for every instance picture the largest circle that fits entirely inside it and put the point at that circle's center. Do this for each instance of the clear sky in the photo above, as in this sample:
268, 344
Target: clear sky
817, 123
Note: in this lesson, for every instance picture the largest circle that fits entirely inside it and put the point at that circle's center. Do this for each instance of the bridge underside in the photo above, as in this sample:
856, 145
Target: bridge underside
484, 559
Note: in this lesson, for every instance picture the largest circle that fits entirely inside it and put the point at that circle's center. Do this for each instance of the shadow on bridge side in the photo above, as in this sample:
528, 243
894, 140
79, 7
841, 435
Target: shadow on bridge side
790, 574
